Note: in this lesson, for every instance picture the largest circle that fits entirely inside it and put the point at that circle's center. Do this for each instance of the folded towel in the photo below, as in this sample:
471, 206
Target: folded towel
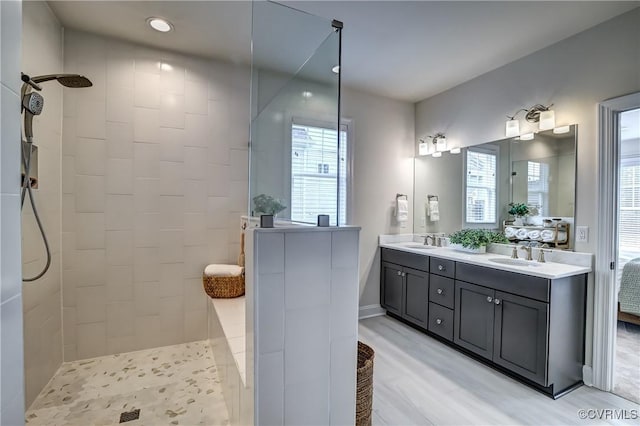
402, 210
434, 210
534, 235
547, 235
522, 233
509, 232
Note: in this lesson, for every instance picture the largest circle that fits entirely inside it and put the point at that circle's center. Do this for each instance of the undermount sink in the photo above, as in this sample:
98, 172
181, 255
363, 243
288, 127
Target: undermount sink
514, 262
419, 246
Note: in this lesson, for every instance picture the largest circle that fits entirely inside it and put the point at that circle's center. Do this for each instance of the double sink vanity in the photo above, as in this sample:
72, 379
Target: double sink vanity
522, 317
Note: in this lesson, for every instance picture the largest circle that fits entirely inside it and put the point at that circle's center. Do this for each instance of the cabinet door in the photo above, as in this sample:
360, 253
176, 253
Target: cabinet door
391, 288
473, 325
520, 336
416, 296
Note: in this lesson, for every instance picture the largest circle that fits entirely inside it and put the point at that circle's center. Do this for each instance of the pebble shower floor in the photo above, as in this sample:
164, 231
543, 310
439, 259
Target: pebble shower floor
172, 385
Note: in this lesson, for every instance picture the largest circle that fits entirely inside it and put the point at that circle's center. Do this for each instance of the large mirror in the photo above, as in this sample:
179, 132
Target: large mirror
478, 187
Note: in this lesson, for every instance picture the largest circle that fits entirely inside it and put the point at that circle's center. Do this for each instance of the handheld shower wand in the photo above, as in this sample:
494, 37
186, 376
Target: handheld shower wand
32, 105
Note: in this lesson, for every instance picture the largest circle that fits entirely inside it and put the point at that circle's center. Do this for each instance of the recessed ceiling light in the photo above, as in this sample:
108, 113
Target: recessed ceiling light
159, 24
306, 94
336, 69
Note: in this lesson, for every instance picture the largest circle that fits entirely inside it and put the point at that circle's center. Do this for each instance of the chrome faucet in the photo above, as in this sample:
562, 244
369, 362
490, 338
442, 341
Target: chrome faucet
528, 250
426, 240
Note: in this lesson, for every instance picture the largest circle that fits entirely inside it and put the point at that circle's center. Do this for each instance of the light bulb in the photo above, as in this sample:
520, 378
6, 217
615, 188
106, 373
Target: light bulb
160, 24
423, 148
512, 128
547, 120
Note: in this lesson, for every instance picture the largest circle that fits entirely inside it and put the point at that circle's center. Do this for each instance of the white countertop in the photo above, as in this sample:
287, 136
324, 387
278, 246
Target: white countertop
550, 270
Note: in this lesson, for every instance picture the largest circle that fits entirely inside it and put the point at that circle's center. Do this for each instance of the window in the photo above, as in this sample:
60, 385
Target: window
318, 185
629, 221
481, 183
538, 187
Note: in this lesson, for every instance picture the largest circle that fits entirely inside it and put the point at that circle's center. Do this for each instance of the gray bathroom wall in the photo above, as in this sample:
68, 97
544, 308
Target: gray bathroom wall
11, 341
154, 160
574, 74
42, 299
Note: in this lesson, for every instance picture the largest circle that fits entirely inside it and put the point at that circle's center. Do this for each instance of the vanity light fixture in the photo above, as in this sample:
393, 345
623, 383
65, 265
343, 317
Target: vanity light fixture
423, 148
538, 113
440, 141
562, 129
527, 136
159, 24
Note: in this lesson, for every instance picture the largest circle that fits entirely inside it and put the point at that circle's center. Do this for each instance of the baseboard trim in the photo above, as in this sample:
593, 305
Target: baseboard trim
369, 311
587, 375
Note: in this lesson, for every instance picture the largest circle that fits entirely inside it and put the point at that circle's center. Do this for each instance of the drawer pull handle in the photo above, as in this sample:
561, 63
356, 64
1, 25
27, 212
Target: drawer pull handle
400, 273
439, 291
489, 299
438, 321
496, 301
441, 268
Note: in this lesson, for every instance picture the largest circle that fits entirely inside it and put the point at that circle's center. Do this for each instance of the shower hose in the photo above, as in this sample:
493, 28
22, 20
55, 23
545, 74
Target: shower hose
26, 188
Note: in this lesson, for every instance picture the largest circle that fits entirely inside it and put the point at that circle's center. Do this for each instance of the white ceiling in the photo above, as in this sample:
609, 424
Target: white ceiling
403, 50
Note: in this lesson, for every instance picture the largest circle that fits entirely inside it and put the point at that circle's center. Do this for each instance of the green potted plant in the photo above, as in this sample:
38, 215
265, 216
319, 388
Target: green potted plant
475, 240
266, 204
519, 211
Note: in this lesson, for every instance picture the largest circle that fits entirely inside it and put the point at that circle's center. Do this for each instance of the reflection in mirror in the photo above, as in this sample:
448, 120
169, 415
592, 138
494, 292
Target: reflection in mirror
539, 173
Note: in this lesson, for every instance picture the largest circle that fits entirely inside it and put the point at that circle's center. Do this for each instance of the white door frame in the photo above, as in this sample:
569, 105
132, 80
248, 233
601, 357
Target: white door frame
605, 298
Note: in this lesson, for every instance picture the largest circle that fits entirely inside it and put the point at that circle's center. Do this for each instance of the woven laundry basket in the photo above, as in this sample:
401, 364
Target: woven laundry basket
223, 281
364, 386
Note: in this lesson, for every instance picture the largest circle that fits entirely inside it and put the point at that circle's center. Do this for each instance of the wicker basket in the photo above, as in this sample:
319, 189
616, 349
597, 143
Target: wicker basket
364, 387
224, 287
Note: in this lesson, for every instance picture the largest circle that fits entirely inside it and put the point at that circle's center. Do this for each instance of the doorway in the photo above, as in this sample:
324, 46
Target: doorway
626, 380
616, 337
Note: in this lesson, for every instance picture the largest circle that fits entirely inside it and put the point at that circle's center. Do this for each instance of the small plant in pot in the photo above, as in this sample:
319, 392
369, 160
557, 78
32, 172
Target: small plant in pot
519, 210
475, 240
266, 204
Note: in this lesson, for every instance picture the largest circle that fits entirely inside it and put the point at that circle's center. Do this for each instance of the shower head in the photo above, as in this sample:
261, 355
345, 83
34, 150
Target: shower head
32, 104
67, 80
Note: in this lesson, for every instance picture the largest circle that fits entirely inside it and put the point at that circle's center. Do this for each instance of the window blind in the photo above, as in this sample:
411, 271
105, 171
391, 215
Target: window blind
629, 199
538, 187
481, 187
317, 186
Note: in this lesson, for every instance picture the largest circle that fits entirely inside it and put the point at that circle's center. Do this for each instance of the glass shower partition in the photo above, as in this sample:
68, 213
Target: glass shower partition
298, 163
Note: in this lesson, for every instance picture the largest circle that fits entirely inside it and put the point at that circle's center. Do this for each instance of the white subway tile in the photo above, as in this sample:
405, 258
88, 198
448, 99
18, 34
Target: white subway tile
91, 340
195, 229
120, 104
119, 247
147, 90
172, 110
197, 128
196, 94
90, 267
269, 321
146, 125
171, 141
119, 176
218, 177
68, 174
146, 160
147, 298
171, 245
91, 304
90, 194
147, 229
270, 253
171, 212
239, 161
345, 292
311, 327
307, 403
119, 212
119, 140
90, 231
195, 196
218, 242
171, 178
171, 281
172, 77
120, 283
91, 119
308, 269
147, 195
195, 325
195, 260
146, 264
10, 147
10, 246
344, 359
344, 249
195, 163
217, 212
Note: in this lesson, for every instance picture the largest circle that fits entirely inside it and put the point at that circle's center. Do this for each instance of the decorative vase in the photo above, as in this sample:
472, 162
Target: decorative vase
518, 221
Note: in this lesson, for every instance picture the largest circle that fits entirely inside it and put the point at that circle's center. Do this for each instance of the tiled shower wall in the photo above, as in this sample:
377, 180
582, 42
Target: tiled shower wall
42, 299
154, 181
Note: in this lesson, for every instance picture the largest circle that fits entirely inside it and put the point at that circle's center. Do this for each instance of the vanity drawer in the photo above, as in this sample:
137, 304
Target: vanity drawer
509, 282
441, 290
441, 321
446, 268
410, 260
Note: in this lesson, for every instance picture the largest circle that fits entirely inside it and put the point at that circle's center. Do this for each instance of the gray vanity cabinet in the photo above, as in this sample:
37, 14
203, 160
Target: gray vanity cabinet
404, 290
520, 335
474, 317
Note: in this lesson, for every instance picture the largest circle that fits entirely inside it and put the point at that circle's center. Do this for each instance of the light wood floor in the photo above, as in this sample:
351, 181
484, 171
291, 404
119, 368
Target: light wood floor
420, 381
